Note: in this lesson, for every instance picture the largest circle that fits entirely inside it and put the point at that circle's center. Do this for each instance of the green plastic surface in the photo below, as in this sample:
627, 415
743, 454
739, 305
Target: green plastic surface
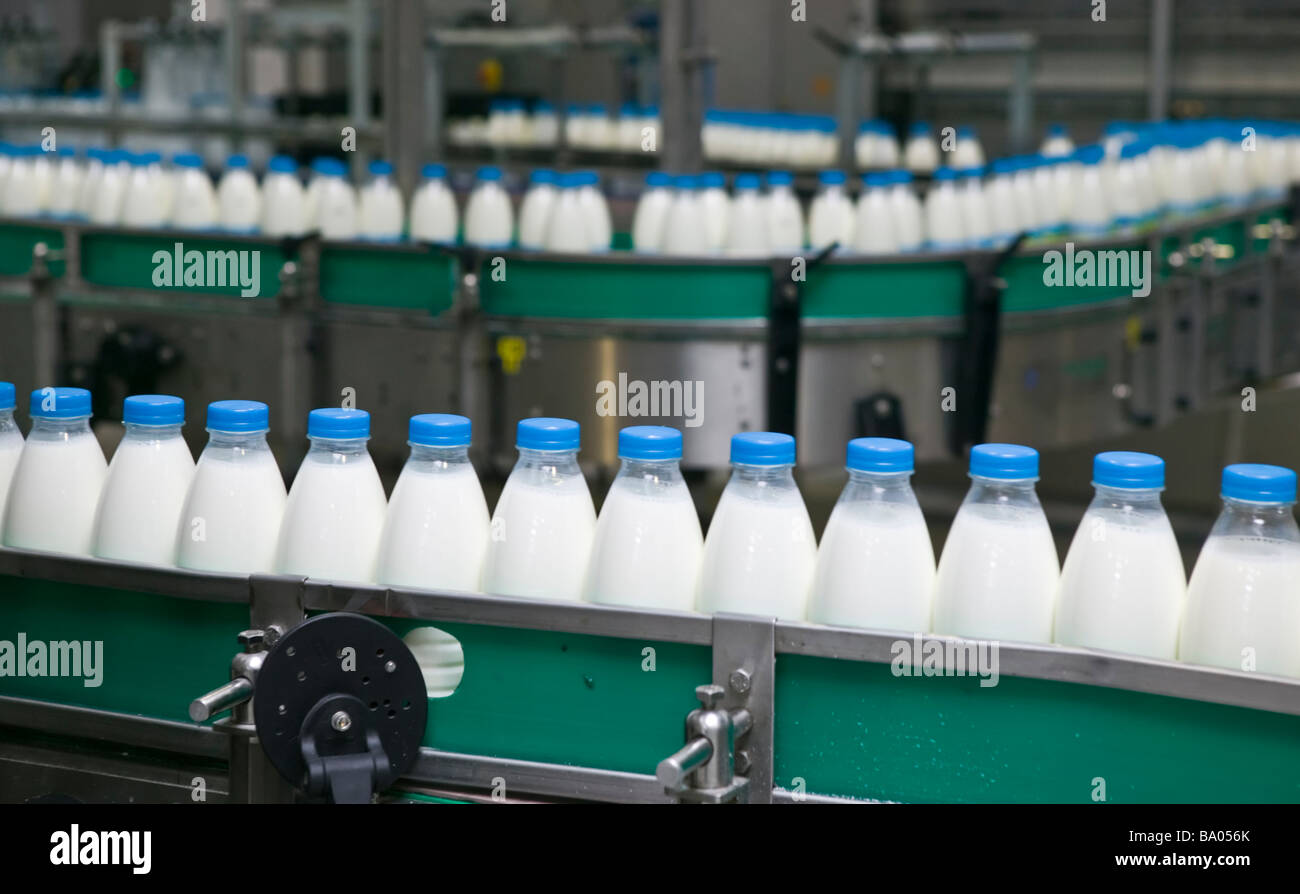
387, 279
128, 261
885, 290
17, 242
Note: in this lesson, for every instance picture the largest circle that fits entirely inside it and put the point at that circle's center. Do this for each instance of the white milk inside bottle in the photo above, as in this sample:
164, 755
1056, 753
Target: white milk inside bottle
998, 572
1243, 602
489, 218
874, 230
59, 475
142, 206
11, 444
433, 209
335, 513
65, 188
715, 208
95, 161
785, 226
106, 209
1125, 198
864, 146
908, 225
436, 532
760, 553
747, 226
140, 506
239, 201
1046, 196
595, 211
232, 514
943, 219
337, 215
1057, 144
921, 153
888, 152
1123, 586
967, 153
875, 565
1004, 219
21, 191
651, 217
282, 199
648, 545
830, 218
381, 213
196, 201
311, 195
684, 229
43, 176
566, 231
1091, 216
535, 210
542, 529
974, 208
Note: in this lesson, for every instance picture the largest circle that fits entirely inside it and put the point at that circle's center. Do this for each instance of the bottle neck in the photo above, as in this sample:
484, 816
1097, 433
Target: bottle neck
441, 456
762, 474
1117, 497
1002, 490
553, 462
340, 446
1245, 518
245, 439
662, 471
44, 426
137, 432
884, 487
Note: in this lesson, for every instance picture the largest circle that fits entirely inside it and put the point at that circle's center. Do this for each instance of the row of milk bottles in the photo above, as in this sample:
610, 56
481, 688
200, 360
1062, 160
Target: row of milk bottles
1122, 587
876, 146
561, 212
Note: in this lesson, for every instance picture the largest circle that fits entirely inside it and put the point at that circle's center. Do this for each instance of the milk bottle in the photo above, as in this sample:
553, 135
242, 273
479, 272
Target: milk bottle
11, 444
864, 146
545, 126
1046, 197
1243, 603
283, 199
21, 191
943, 218
1123, 586
747, 224
196, 201
140, 507
311, 196
998, 573
535, 211
628, 129
651, 215
648, 545
906, 208
921, 153
566, 231
967, 153
886, 146
1003, 217
337, 211
96, 158
435, 535
1022, 186
1125, 198
239, 201
1092, 217
56, 484
784, 216
875, 566
830, 218
231, 519
381, 212
684, 230
1234, 173
1058, 143
142, 206
974, 208
489, 218
65, 190
542, 529
43, 176
335, 513
760, 553
433, 209
110, 190
715, 208
874, 231
595, 211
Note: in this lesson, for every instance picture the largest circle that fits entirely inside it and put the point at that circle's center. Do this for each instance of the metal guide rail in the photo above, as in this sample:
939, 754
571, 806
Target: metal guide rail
577, 701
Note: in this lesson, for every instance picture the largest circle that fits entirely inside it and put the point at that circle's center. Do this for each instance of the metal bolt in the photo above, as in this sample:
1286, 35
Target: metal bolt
252, 640
710, 695
390, 666
739, 681
341, 721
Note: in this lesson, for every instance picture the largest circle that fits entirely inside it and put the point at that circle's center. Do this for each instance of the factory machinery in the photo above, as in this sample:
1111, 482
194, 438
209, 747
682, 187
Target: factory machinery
574, 701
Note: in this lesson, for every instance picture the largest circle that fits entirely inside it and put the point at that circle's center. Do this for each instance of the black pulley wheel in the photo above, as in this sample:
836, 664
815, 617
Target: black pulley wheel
347, 688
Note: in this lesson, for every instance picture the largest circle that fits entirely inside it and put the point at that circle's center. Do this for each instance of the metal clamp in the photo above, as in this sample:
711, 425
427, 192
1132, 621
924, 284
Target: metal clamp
703, 771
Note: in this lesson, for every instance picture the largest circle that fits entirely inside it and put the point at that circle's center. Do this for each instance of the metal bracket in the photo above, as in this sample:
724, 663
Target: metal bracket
744, 665
784, 337
276, 604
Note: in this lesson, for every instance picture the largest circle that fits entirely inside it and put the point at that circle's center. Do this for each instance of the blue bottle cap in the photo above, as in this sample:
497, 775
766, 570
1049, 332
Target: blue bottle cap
747, 181
713, 180
237, 161
779, 178
686, 181
380, 168
282, 164
59, 403
546, 433
649, 442
238, 416
439, 430
879, 455
1121, 468
919, 129
877, 179
434, 172
187, 160
8, 396
831, 178
153, 409
1009, 462
944, 173
658, 179
762, 448
542, 175
489, 172
338, 423
1258, 483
